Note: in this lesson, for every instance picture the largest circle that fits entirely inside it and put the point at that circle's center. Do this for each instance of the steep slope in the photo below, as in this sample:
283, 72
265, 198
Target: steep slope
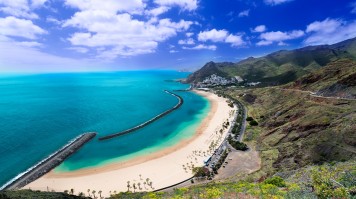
337, 79
298, 129
209, 69
279, 67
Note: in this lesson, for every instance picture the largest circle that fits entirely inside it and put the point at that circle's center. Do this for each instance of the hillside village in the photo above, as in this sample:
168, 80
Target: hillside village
216, 80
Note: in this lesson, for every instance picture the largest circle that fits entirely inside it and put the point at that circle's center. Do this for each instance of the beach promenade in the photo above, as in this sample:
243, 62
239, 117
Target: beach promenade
49, 163
154, 170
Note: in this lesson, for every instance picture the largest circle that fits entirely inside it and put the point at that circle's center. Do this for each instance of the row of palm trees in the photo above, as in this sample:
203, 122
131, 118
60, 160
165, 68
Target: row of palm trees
146, 182
135, 186
81, 194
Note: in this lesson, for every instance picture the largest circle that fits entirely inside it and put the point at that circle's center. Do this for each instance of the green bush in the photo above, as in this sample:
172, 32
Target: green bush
249, 118
253, 123
277, 181
324, 182
200, 172
237, 145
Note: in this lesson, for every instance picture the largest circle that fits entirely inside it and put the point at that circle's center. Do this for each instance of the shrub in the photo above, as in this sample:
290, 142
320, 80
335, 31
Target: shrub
212, 193
325, 184
253, 123
237, 145
277, 181
200, 171
249, 119
231, 104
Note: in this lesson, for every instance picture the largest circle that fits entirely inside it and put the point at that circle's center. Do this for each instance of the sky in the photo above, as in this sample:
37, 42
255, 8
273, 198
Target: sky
111, 35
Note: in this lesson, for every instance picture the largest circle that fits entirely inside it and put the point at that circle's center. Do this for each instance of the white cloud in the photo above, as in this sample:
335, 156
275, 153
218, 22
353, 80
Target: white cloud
110, 6
221, 36
244, 13
14, 27
30, 44
189, 5
330, 31
213, 35
275, 2
188, 41
235, 40
189, 34
264, 43
32, 56
122, 28
120, 34
37, 3
281, 43
201, 47
54, 20
173, 51
21, 8
157, 11
278, 36
260, 28
79, 49
326, 26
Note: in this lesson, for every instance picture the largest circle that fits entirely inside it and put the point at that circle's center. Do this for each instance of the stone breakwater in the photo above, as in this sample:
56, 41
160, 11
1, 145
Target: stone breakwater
180, 102
49, 163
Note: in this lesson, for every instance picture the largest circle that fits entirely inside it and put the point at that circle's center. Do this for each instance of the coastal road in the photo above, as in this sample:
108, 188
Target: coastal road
224, 145
214, 158
243, 123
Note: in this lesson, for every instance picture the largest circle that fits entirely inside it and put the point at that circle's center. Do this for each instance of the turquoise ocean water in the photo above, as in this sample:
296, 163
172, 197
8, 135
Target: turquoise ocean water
41, 113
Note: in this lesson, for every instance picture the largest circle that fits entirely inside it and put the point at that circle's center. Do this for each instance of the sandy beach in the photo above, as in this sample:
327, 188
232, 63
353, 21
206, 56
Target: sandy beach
153, 171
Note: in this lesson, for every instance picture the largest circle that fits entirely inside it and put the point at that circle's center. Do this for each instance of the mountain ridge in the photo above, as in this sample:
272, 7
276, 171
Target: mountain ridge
279, 67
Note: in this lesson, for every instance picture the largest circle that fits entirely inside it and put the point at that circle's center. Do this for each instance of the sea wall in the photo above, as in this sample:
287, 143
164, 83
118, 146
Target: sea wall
180, 102
48, 164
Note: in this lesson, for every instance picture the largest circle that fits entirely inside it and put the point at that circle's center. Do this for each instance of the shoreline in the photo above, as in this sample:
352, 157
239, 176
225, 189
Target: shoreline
48, 163
163, 168
141, 159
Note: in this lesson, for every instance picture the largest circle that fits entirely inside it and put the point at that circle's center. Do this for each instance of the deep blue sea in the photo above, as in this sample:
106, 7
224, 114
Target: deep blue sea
41, 113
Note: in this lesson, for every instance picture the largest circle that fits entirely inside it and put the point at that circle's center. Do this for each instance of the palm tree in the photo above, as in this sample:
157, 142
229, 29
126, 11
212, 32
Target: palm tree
93, 192
72, 191
134, 186
140, 177
81, 194
144, 184
88, 192
99, 192
128, 186
139, 185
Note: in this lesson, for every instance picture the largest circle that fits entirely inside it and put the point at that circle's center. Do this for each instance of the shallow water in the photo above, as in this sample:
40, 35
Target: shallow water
41, 113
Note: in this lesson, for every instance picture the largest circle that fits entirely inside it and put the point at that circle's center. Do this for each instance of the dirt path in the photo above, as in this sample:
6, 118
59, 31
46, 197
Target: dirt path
314, 94
240, 162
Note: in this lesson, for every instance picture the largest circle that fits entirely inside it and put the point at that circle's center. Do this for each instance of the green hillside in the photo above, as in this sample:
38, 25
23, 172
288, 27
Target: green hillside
279, 67
336, 79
